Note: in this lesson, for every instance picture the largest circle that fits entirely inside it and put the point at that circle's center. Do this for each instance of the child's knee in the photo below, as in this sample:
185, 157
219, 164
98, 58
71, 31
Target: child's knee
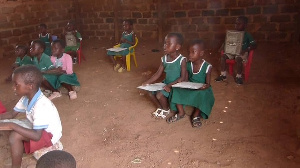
238, 59
14, 137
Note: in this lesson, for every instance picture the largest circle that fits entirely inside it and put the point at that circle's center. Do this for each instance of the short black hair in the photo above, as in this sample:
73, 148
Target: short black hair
22, 47
129, 21
43, 25
40, 43
178, 36
197, 42
30, 75
244, 19
56, 159
60, 42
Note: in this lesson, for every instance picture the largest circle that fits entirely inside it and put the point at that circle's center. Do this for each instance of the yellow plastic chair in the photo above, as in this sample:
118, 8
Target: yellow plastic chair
131, 53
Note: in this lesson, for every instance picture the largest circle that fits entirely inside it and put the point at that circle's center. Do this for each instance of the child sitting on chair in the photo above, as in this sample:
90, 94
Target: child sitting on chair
39, 110
126, 41
62, 74
199, 71
22, 59
56, 159
174, 65
247, 45
72, 38
46, 38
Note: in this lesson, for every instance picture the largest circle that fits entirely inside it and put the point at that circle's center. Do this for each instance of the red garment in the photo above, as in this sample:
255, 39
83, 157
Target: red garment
2, 108
33, 146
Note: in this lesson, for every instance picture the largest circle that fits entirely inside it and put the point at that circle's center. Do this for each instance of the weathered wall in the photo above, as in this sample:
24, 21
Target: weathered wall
19, 20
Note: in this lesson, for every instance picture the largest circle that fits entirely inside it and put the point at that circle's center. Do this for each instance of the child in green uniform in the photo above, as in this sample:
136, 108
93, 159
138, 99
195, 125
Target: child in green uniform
126, 41
45, 37
248, 44
72, 38
62, 74
174, 65
41, 60
199, 71
22, 59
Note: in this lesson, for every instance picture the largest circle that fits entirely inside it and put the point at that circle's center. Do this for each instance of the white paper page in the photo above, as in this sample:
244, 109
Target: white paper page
188, 85
23, 122
153, 87
117, 49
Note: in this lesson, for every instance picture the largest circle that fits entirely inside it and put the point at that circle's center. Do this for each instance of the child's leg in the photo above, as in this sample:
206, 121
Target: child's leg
196, 118
178, 116
180, 109
48, 86
17, 148
124, 62
197, 113
163, 101
154, 100
223, 68
239, 65
112, 60
68, 87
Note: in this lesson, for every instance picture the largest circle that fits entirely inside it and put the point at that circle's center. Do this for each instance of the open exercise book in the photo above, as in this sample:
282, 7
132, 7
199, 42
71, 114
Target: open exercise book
116, 49
22, 122
153, 87
188, 85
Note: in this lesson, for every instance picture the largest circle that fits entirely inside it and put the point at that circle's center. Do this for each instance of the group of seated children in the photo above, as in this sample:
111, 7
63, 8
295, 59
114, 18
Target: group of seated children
57, 68
178, 69
196, 69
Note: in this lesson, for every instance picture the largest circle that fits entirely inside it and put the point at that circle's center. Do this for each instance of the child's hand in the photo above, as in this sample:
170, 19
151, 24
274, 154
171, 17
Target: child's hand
205, 86
167, 88
145, 84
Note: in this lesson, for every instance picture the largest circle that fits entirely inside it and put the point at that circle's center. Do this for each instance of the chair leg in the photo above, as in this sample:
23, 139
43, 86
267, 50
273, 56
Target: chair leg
133, 55
128, 61
230, 69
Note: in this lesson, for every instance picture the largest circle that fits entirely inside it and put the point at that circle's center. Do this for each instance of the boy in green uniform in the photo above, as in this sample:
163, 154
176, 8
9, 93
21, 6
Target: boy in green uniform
22, 59
248, 44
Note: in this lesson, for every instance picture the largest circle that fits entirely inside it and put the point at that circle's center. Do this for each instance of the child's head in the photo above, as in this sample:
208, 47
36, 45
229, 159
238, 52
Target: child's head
196, 50
26, 79
70, 26
173, 42
37, 47
58, 47
43, 28
56, 159
241, 23
21, 50
127, 25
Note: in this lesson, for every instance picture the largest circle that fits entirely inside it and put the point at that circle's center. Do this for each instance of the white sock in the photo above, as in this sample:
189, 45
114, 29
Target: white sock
238, 75
223, 73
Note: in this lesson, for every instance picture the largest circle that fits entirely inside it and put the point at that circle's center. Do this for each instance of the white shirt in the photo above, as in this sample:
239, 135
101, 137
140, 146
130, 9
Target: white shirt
42, 113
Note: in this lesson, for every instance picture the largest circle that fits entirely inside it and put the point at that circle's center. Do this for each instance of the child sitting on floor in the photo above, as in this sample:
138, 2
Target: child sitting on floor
174, 65
126, 41
199, 71
56, 159
46, 38
22, 59
247, 45
72, 38
40, 111
62, 74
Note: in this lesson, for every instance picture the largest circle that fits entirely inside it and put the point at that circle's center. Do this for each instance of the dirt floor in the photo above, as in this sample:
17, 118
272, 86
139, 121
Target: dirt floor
109, 125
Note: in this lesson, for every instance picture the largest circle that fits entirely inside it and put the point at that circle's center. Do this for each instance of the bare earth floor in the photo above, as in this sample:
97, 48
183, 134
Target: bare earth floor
109, 125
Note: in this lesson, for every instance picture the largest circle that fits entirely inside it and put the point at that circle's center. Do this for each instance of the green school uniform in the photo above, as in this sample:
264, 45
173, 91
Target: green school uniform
46, 39
247, 41
123, 45
26, 60
201, 99
43, 65
172, 70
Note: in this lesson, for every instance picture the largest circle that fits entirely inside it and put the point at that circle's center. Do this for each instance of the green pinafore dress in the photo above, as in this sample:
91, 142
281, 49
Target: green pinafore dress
123, 45
46, 39
201, 99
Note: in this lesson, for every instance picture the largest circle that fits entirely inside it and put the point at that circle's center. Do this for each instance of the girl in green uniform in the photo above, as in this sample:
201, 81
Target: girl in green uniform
126, 41
174, 66
45, 37
199, 71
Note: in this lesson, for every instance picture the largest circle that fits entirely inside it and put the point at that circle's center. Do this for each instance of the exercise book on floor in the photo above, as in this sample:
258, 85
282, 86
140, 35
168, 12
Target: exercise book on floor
116, 49
22, 122
153, 87
188, 85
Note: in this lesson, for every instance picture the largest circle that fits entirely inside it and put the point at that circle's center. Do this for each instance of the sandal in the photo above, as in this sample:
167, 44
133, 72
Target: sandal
156, 113
164, 113
116, 67
196, 122
175, 118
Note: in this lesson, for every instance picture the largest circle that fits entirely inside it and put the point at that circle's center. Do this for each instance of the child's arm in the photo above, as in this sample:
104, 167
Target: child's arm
123, 40
156, 75
182, 77
55, 71
207, 80
8, 115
